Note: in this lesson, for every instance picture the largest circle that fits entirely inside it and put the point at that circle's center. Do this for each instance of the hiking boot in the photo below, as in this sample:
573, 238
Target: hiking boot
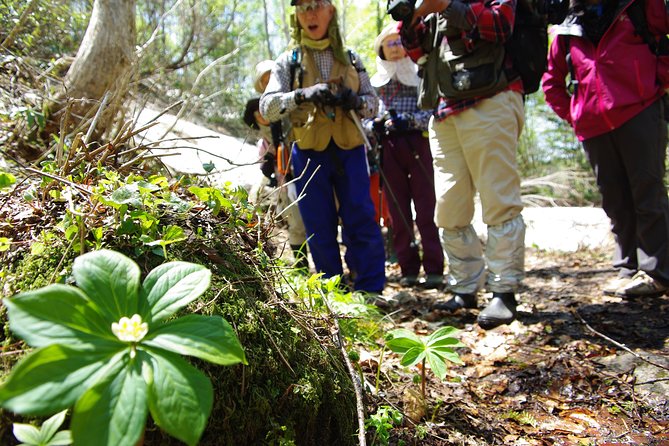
501, 310
433, 281
642, 285
613, 285
409, 280
458, 301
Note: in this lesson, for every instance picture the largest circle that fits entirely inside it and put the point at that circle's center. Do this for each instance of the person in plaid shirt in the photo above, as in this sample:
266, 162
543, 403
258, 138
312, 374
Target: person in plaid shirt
473, 142
407, 162
324, 97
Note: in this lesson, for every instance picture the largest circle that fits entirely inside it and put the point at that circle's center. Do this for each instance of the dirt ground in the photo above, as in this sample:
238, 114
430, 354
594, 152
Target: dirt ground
576, 368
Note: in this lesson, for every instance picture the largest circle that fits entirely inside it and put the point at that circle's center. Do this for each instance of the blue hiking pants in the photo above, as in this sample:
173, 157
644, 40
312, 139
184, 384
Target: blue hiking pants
339, 190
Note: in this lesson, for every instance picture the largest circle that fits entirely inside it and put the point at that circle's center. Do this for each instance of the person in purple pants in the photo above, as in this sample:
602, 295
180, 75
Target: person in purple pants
406, 161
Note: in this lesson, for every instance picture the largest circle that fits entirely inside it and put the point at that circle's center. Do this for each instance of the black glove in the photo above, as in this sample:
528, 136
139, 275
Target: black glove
397, 124
267, 166
349, 100
379, 126
318, 94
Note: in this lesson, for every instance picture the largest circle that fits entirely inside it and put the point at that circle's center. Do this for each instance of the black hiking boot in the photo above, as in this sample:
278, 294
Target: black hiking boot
458, 301
501, 310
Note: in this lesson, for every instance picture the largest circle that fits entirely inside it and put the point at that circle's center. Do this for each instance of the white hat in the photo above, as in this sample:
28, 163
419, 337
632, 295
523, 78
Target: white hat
392, 28
262, 67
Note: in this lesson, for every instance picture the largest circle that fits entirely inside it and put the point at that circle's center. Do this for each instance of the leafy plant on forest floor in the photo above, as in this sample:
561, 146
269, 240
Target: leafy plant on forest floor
434, 350
46, 435
111, 348
383, 421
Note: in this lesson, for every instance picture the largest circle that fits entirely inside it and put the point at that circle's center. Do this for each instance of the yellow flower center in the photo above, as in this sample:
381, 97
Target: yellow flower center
130, 330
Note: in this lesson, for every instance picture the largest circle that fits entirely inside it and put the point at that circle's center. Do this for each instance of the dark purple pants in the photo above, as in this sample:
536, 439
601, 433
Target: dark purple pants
407, 168
629, 167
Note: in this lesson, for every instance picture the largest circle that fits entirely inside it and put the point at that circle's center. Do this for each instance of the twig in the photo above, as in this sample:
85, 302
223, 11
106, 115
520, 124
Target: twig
62, 180
354, 376
618, 344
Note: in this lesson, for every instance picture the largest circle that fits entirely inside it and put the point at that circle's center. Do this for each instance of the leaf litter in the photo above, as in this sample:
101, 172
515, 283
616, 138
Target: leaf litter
559, 375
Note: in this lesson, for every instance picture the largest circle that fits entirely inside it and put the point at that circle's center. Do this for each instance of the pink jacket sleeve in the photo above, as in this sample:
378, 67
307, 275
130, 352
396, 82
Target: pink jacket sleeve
554, 80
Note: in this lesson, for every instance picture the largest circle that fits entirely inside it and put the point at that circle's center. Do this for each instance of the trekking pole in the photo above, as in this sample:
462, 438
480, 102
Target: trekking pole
382, 177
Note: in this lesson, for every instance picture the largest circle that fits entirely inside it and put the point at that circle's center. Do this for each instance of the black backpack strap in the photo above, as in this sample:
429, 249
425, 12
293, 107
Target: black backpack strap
354, 61
572, 86
636, 12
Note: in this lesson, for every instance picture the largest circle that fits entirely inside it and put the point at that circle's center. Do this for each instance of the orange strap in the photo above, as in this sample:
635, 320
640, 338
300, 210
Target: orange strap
282, 159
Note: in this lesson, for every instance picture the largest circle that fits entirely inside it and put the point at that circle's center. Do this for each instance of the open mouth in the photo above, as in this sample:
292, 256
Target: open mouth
313, 28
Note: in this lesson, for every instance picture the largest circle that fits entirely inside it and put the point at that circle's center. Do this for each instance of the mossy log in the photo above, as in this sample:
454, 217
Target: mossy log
295, 389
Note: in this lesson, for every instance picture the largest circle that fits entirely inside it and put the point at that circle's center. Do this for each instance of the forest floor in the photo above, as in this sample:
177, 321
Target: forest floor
575, 368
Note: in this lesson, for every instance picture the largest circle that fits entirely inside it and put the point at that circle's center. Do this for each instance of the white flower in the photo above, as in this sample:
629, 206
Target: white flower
130, 330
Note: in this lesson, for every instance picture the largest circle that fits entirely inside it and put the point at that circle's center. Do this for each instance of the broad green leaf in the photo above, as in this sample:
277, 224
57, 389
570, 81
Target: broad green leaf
171, 286
128, 194
113, 412
26, 433
401, 340
443, 333
57, 314
206, 337
180, 397
5, 244
51, 426
437, 364
62, 438
111, 280
52, 378
413, 356
446, 343
448, 355
6, 179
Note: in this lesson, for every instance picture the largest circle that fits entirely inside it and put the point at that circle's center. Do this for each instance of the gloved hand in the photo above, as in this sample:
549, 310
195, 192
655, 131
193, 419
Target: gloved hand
268, 164
398, 123
319, 94
349, 100
379, 126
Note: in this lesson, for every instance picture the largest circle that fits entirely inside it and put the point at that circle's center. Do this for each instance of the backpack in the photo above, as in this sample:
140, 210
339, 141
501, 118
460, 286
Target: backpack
636, 12
528, 44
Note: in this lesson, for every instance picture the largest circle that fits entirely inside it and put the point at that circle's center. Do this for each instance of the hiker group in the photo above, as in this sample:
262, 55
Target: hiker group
407, 150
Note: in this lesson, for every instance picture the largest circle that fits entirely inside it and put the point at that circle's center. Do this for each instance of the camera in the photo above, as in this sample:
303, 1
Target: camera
554, 10
401, 10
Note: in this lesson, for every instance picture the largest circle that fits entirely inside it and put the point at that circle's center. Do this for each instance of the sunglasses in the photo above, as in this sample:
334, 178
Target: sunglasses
313, 5
393, 43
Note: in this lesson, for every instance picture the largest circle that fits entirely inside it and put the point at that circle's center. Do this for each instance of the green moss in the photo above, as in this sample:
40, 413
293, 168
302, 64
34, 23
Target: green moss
294, 390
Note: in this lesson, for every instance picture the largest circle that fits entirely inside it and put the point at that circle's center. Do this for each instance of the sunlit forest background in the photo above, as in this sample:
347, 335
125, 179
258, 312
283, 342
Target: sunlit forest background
203, 52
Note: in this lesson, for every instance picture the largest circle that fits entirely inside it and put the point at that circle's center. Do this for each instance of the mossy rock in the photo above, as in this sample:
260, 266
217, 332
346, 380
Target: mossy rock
295, 389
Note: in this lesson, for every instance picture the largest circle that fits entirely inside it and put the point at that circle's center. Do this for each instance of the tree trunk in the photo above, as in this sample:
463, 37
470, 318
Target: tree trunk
104, 59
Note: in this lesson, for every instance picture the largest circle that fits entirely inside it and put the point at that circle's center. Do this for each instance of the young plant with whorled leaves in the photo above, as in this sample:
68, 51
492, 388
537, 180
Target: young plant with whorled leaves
111, 348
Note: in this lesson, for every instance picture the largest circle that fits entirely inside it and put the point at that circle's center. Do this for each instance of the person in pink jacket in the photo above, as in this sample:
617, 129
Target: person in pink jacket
615, 102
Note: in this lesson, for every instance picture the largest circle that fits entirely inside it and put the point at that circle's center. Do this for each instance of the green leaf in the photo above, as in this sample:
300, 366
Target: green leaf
413, 356
58, 314
402, 340
437, 364
113, 412
443, 333
26, 433
128, 194
171, 286
52, 378
206, 337
180, 397
51, 426
5, 244
6, 179
62, 438
448, 355
111, 281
